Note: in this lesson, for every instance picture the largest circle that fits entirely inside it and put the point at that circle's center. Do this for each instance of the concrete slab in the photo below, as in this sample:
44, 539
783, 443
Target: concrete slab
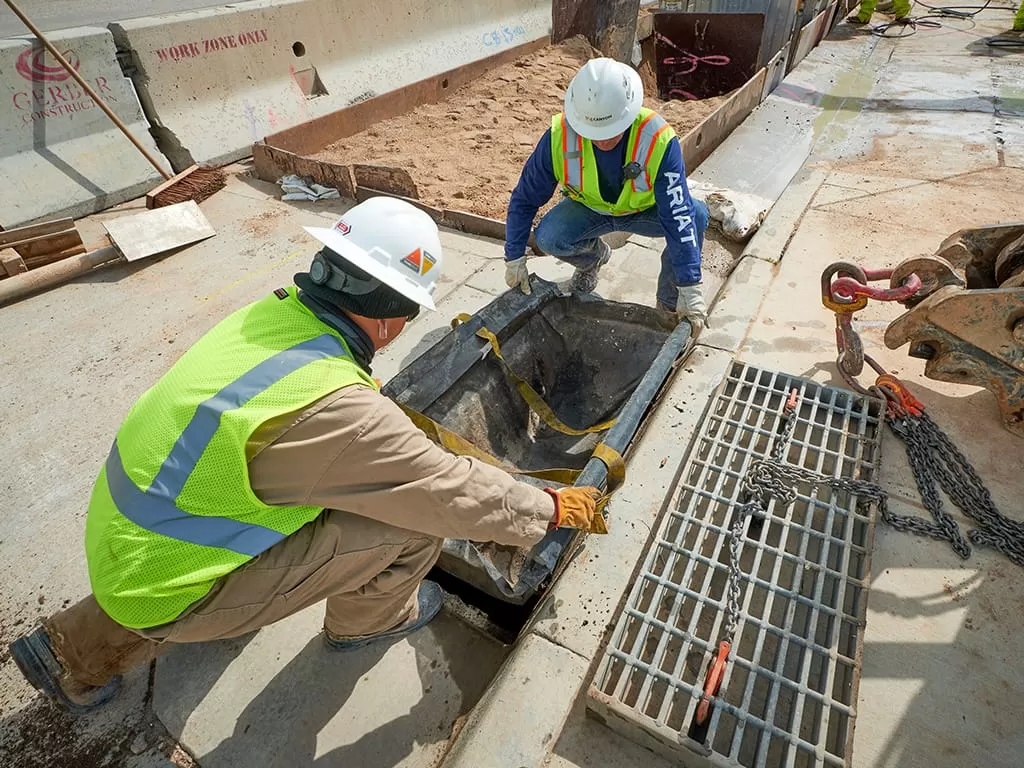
765, 152
770, 241
936, 624
280, 698
586, 743
522, 713
740, 297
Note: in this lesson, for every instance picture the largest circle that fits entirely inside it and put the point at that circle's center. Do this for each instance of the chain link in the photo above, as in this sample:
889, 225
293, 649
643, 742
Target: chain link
937, 463
771, 478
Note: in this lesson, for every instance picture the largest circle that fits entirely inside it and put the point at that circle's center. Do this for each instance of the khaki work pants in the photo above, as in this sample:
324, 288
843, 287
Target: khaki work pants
369, 573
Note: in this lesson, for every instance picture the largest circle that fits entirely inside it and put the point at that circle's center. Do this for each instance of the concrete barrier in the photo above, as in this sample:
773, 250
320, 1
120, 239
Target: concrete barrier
59, 154
215, 81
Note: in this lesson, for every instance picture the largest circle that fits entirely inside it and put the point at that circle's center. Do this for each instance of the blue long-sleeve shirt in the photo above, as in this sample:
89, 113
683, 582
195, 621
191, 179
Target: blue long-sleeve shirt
537, 184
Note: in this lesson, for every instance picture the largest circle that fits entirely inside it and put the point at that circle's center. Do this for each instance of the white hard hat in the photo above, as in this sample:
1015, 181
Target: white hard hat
603, 99
391, 240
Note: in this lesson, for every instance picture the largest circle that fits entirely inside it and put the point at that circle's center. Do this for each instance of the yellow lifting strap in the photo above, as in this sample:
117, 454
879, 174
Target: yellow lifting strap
529, 394
460, 446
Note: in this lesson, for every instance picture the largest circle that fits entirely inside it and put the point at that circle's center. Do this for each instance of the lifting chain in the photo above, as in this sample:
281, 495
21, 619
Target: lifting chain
934, 459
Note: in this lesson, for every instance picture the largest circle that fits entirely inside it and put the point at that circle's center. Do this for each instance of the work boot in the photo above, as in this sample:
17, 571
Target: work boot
34, 656
428, 603
584, 279
857, 20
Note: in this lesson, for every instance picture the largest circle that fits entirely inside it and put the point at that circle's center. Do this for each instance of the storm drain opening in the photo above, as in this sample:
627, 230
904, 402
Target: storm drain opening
789, 692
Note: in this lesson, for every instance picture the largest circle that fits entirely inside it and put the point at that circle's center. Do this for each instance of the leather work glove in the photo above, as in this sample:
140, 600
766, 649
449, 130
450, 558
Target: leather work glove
516, 275
577, 508
690, 306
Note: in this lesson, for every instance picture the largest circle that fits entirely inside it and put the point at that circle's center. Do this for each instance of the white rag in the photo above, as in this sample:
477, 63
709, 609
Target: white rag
737, 214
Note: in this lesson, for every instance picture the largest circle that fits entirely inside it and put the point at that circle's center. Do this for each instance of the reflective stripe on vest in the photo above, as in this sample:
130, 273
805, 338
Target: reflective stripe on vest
155, 509
572, 171
650, 129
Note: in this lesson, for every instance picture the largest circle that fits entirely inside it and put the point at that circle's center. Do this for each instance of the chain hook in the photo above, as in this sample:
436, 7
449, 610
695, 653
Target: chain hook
713, 681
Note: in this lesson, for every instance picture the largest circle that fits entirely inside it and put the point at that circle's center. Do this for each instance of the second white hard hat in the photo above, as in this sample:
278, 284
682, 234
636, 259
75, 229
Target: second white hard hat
393, 242
603, 99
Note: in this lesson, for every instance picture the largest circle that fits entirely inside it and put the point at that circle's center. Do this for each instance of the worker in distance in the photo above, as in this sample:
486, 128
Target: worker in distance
619, 168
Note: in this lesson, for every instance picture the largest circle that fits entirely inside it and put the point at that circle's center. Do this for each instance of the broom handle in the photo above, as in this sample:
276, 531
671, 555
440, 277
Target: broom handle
86, 87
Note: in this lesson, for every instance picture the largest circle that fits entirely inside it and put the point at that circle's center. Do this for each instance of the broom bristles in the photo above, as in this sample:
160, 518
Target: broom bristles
196, 183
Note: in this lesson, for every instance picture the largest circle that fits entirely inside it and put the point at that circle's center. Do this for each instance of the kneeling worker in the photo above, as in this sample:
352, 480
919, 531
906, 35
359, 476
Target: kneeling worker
265, 472
620, 169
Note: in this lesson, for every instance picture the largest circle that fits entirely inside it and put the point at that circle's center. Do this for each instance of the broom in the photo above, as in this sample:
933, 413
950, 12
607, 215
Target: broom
195, 183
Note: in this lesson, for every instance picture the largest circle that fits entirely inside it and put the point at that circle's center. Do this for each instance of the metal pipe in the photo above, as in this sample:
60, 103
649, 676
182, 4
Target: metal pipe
628, 421
14, 288
545, 556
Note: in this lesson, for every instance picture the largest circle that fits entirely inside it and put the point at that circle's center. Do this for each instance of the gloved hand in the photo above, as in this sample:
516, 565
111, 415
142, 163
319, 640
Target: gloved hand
690, 306
516, 275
577, 508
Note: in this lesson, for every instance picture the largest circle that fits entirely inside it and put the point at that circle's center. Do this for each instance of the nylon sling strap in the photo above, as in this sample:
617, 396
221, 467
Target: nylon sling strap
529, 394
460, 446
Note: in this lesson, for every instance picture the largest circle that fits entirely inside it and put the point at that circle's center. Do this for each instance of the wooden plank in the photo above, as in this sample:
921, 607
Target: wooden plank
34, 230
11, 263
272, 163
43, 244
703, 139
383, 178
49, 258
312, 136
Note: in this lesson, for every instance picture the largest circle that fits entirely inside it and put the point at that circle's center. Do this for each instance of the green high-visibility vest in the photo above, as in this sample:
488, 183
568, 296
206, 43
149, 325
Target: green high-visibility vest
576, 170
172, 510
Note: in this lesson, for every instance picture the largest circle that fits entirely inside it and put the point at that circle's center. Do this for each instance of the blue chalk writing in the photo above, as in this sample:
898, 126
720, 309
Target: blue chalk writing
504, 36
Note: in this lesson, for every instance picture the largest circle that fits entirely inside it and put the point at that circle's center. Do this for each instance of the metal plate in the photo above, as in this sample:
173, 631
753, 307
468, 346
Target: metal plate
790, 690
158, 231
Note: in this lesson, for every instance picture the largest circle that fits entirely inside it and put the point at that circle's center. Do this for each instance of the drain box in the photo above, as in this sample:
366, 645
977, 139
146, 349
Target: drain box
789, 694
591, 360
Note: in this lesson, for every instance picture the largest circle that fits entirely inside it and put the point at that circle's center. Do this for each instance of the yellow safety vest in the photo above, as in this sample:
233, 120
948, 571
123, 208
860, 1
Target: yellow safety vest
173, 510
576, 169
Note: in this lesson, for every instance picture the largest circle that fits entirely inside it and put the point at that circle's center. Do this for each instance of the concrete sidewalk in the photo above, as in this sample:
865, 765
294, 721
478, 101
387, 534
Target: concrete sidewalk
904, 142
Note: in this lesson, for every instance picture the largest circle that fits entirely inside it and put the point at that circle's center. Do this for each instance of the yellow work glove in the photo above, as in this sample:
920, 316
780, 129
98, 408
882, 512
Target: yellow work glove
577, 508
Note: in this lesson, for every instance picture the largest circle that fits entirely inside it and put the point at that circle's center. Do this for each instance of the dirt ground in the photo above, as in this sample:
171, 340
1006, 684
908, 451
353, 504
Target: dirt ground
466, 152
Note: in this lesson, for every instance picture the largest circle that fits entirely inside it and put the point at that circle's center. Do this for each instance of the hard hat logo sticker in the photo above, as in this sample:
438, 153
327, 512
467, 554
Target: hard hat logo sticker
419, 261
342, 227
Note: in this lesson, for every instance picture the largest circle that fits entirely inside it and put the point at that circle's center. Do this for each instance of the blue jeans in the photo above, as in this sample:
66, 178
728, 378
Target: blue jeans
570, 233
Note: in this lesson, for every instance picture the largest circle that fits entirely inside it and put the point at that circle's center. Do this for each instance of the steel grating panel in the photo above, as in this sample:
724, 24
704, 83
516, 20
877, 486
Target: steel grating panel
789, 693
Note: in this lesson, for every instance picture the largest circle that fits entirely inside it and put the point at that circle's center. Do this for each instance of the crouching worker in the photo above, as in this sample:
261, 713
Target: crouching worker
265, 472
620, 169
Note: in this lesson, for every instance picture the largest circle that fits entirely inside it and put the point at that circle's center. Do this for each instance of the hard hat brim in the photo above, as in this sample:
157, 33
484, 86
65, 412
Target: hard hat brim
613, 129
388, 275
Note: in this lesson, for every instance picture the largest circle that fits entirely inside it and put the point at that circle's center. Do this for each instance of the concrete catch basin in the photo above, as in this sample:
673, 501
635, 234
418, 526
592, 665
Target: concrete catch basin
593, 362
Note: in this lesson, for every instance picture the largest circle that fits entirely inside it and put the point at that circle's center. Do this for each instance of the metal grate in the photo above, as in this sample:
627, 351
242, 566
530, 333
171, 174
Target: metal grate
790, 690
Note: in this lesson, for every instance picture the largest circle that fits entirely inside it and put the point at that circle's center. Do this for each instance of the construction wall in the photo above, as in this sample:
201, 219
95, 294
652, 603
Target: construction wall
60, 155
214, 81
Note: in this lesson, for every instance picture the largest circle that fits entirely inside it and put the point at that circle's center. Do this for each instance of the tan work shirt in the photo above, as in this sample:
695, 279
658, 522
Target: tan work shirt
355, 450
